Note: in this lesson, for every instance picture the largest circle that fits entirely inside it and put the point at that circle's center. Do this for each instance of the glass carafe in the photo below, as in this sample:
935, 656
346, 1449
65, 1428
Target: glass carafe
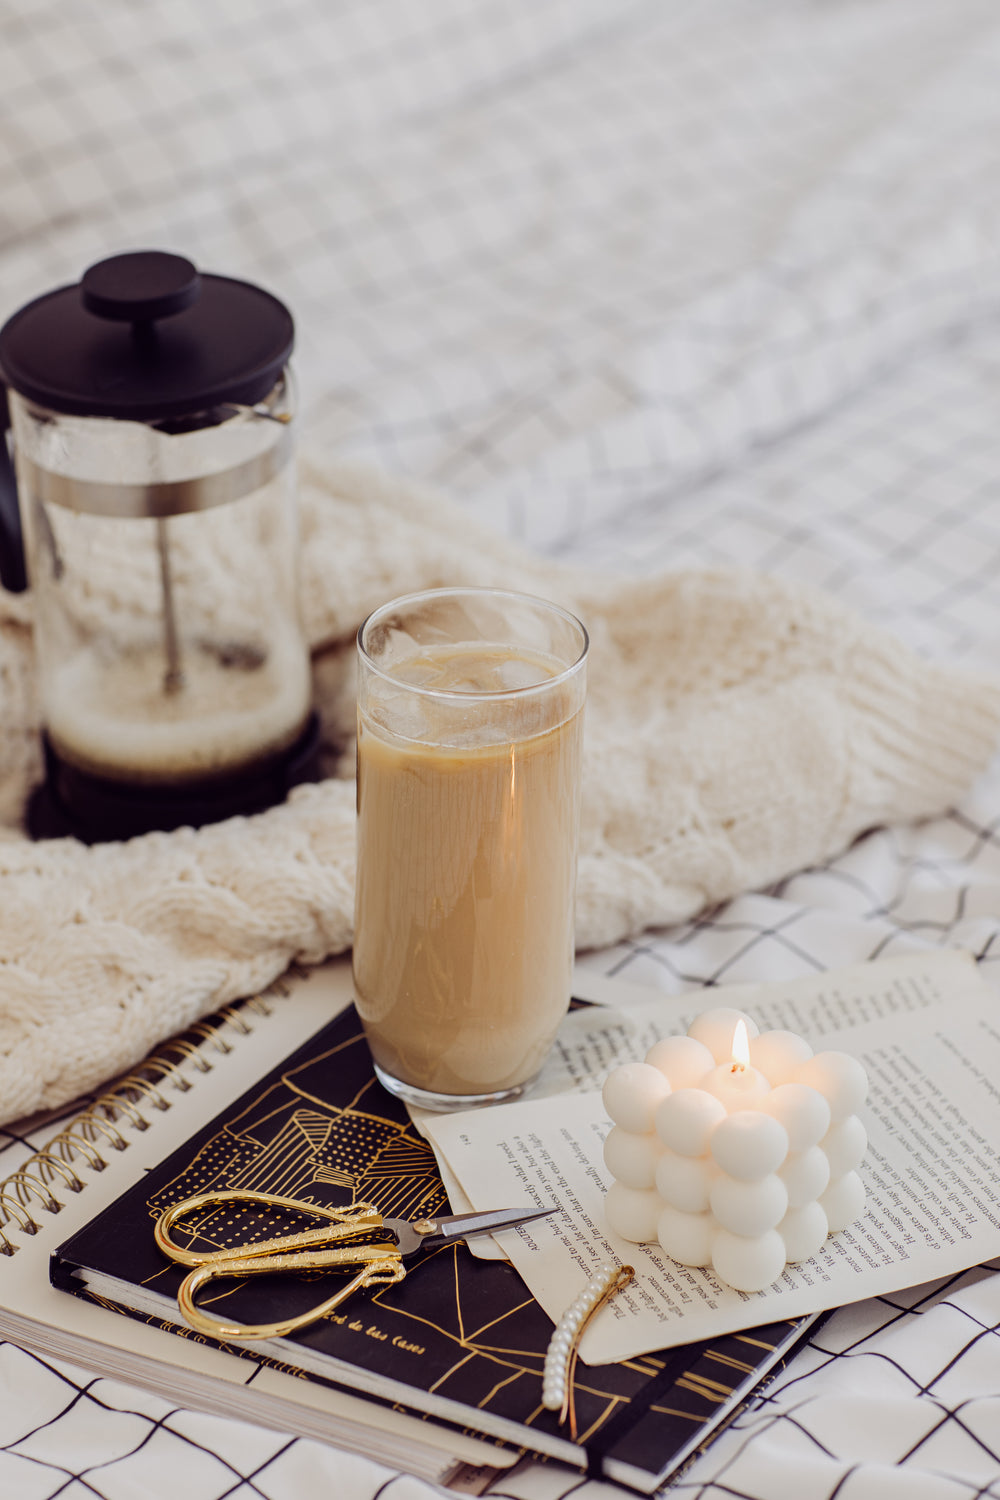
162, 554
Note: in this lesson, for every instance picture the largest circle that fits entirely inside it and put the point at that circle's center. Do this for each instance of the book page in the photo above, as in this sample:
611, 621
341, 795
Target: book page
622, 1021
633, 1017
927, 1029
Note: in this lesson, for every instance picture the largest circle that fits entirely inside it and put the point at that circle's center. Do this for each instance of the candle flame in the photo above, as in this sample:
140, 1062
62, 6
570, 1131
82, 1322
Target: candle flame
741, 1047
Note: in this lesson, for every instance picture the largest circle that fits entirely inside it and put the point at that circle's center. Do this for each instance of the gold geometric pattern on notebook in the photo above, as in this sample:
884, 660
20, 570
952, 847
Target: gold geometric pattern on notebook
292, 1142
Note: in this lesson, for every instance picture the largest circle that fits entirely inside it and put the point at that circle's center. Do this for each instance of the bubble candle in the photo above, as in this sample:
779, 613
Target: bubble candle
735, 1148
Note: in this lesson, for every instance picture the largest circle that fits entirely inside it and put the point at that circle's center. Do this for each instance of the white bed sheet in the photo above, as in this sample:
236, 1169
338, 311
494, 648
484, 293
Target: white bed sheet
645, 284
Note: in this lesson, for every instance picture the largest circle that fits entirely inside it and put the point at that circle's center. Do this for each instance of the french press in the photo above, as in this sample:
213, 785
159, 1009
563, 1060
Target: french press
154, 519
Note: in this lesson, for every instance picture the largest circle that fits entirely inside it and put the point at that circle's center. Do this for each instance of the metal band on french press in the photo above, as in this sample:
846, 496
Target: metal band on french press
167, 498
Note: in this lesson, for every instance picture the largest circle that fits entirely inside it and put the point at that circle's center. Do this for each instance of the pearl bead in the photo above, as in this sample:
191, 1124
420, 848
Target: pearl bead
686, 1238
735, 1087
683, 1059
631, 1094
803, 1111
632, 1158
751, 1264
685, 1120
632, 1212
841, 1080
749, 1145
803, 1231
843, 1201
748, 1208
845, 1144
716, 1029
606, 1279
778, 1053
683, 1181
805, 1174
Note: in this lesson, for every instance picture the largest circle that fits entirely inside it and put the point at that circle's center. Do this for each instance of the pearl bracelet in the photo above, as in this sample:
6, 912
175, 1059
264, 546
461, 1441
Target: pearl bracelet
560, 1357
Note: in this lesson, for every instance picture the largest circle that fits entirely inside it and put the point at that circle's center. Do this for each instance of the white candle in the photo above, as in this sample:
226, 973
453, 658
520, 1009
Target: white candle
803, 1112
749, 1265
778, 1053
843, 1201
749, 1145
806, 1174
716, 1028
729, 1165
685, 1121
845, 1146
633, 1212
749, 1208
632, 1158
734, 1082
686, 1238
683, 1182
803, 1230
631, 1095
841, 1080
682, 1059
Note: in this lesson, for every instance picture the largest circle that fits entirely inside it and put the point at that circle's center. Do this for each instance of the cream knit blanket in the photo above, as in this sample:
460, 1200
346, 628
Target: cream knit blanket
738, 729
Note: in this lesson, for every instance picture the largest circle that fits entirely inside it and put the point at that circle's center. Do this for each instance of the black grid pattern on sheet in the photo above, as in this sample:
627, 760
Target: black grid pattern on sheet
922, 1353
549, 257
647, 286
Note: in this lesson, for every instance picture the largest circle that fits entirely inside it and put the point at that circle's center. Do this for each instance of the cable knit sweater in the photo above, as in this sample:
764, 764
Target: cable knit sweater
738, 729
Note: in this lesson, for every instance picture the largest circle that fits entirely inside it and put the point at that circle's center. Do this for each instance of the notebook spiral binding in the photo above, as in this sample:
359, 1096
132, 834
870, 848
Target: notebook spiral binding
30, 1189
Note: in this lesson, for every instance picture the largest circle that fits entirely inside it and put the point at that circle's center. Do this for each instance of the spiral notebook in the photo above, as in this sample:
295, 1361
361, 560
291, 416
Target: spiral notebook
449, 1362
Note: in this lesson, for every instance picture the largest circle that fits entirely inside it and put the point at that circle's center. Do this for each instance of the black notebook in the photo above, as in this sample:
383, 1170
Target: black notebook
459, 1340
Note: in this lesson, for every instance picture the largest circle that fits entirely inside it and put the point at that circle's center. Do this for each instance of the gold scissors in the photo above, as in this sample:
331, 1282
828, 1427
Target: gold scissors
343, 1241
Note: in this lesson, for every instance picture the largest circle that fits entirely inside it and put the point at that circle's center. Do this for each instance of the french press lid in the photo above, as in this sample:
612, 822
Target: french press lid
144, 336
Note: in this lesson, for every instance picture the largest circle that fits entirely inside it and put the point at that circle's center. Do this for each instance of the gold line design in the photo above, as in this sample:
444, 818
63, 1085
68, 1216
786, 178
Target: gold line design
672, 1411
719, 1358
612, 1405
709, 1389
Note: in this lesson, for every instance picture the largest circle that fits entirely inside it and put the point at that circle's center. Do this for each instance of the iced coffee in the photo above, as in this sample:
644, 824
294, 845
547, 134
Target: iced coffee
470, 724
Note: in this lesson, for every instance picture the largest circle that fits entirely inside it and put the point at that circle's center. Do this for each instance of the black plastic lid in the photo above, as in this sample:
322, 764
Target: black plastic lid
143, 336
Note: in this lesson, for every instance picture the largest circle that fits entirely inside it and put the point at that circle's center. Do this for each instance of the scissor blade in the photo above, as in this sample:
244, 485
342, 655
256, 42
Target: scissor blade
490, 1221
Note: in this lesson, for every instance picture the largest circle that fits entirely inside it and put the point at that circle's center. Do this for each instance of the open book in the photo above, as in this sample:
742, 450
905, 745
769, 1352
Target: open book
459, 1339
926, 1027
440, 1376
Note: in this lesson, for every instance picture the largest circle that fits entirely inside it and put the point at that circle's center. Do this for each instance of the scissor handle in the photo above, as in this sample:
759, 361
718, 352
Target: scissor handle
345, 1223
381, 1266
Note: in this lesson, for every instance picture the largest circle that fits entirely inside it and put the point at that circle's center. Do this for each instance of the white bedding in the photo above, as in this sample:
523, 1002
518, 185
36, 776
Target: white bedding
644, 286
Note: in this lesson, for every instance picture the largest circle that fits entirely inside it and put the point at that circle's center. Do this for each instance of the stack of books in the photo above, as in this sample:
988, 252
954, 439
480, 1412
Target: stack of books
439, 1375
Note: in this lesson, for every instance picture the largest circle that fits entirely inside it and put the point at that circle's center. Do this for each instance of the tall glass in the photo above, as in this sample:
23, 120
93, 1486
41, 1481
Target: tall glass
470, 730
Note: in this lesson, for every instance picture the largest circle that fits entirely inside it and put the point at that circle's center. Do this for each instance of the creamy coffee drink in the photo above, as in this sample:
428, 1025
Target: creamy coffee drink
468, 810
